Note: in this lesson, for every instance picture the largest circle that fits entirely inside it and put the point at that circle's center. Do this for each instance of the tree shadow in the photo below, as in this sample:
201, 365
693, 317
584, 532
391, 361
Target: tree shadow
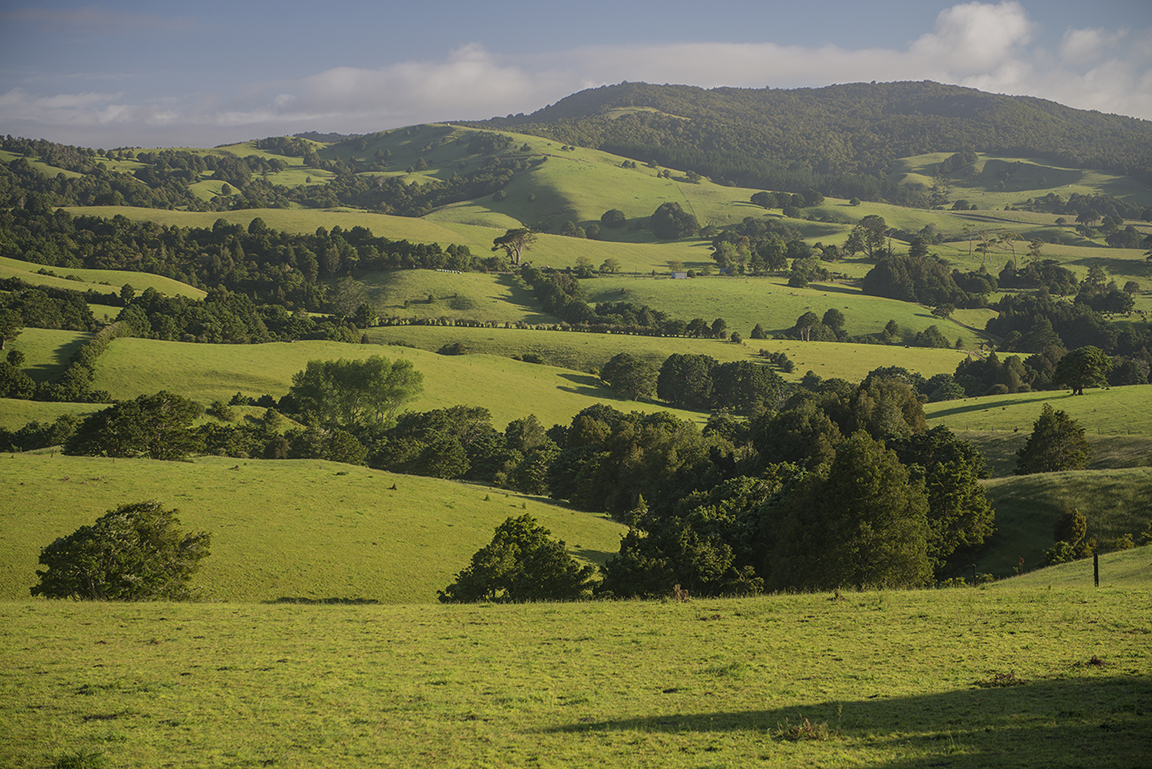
48, 370
586, 384
1082, 721
524, 299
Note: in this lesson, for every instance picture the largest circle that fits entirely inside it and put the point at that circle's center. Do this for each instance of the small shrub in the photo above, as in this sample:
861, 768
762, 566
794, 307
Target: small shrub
1001, 680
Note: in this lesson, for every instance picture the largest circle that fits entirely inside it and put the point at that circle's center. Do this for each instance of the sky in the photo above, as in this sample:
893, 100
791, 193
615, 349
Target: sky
157, 73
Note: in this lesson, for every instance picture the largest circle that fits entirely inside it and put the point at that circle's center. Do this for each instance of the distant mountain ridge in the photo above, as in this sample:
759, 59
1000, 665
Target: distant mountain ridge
835, 135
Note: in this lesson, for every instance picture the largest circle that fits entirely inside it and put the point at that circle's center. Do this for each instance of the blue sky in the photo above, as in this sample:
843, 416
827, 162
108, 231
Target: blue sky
134, 73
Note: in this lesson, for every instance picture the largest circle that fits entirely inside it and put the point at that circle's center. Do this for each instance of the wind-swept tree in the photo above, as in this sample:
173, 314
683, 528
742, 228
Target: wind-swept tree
133, 553
515, 243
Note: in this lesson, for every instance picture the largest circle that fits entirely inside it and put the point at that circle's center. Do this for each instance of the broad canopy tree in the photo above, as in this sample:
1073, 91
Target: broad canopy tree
1083, 367
154, 426
515, 243
360, 395
522, 563
1057, 443
135, 552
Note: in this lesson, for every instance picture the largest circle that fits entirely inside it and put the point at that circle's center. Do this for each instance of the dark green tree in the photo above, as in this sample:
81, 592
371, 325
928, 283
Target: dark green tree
515, 243
154, 426
632, 377
522, 563
859, 522
1083, 367
359, 394
685, 380
613, 217
1057, 443
136, 552
671, 222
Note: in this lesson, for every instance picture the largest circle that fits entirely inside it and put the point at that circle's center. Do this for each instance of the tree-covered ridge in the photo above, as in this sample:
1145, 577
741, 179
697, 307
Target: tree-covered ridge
165, 178
835, 139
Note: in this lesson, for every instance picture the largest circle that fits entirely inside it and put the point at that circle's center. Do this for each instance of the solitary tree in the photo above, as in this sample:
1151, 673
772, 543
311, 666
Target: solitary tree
133, 553
515, 243
522, 563
1083, 367
355, 394
1057, 443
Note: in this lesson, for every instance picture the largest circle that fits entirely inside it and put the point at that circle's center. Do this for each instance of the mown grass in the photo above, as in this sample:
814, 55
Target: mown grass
289, 529
509, 389
1110, 411
1115, 503
963, 678
102, 281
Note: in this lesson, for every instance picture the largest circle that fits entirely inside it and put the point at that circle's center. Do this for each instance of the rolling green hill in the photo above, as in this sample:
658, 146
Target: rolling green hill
295, 529
1110, 411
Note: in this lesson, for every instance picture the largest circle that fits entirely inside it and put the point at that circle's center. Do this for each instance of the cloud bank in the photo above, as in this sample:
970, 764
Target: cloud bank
980, 45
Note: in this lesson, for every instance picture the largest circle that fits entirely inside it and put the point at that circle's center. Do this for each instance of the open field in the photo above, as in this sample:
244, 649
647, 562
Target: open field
457, 296
509, 389
583, 352
1109, 411
744, 301
290, 529
102, 281
1109, 452
47, 351
964, 678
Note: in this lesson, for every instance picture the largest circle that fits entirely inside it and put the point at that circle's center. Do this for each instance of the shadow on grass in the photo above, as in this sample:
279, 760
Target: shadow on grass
586, 384
325, 601
987, 404
1082, 721
46, 372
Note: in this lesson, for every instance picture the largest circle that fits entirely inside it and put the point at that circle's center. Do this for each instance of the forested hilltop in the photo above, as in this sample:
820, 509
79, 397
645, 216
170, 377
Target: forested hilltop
839, 139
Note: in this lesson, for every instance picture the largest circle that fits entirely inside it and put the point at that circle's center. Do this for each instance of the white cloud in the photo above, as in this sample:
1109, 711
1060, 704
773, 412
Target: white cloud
980, 45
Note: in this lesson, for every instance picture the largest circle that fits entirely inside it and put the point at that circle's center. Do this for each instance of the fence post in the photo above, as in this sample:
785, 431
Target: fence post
1096, 568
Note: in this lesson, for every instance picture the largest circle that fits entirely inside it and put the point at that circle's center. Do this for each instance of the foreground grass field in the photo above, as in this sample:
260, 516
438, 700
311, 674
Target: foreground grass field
1034, 676
292, 529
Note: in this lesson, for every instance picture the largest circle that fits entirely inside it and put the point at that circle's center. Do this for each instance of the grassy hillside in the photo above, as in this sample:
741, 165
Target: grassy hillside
509, 389
1109, 452
102, 281
744, 302
1124, 569
47, 351
963, 678
456, 296
584, 352
1110, 411
291, 529
1115, 502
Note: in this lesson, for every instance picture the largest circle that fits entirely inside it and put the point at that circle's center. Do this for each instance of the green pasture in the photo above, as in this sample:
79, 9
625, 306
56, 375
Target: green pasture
509, 389
102, 281
282, 529
47, 351
964, 678
1108, 411
1115, 503
1109, 451
745, 301
14, 414
585, 352
457, 296
996, 181
1124, 568
39, 165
